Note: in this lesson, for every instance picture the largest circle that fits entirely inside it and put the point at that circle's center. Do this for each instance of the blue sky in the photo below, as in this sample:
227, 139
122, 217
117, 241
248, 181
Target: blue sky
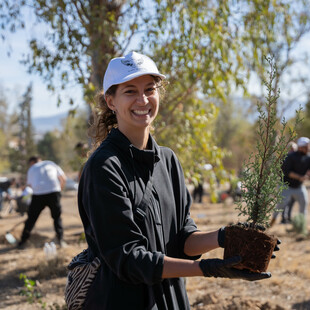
14, 78
14, 81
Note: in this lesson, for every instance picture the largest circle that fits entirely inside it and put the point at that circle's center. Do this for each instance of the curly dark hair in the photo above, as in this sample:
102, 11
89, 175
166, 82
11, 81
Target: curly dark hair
103, 118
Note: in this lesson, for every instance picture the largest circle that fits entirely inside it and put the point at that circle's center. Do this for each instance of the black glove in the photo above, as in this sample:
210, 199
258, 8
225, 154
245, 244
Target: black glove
221, 237
276, 248
222, 268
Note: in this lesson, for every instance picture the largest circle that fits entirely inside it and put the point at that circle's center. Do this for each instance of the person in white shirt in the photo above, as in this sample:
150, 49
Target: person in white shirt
46, 180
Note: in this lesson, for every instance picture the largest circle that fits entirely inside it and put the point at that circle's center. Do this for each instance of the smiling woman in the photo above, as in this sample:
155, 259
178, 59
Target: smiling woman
135, 206
135, 81
135, 104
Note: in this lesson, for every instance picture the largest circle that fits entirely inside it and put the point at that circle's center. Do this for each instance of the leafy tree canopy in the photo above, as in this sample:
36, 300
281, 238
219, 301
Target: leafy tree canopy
206, 49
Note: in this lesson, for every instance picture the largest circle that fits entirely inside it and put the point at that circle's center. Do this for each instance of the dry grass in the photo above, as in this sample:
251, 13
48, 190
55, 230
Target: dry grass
289, 287
53, 268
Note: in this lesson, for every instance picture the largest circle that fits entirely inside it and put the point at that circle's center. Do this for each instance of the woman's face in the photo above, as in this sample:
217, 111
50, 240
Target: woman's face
135, 103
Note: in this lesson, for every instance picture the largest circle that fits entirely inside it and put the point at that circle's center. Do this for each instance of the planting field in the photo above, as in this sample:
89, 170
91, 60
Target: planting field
289, 287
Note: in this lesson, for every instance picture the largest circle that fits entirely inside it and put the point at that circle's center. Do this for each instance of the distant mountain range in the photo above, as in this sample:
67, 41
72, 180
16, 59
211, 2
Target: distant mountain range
48, 123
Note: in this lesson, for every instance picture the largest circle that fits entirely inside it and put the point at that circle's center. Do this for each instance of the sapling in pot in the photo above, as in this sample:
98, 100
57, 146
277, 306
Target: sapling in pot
261, 185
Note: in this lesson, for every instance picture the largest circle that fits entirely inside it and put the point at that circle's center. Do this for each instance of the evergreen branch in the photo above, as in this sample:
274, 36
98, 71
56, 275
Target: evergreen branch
262, 177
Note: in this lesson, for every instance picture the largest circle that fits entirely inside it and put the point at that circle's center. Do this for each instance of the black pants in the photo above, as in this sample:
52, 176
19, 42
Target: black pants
38, 203
198, 192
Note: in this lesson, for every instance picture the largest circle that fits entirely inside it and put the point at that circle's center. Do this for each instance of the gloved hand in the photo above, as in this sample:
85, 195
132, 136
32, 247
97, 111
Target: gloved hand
276, 248
221, 237
222, 268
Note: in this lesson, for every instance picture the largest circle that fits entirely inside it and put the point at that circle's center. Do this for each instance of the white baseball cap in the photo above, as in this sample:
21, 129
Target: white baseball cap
303, 141
126, 68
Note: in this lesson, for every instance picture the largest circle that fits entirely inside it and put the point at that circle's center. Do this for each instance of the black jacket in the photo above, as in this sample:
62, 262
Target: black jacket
297, 162
131, 240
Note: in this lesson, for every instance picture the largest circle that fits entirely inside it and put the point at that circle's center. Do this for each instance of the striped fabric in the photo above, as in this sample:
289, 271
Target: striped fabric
80, 276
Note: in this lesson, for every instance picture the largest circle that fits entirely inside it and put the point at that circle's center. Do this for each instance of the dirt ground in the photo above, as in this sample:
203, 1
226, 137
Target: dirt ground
289, 287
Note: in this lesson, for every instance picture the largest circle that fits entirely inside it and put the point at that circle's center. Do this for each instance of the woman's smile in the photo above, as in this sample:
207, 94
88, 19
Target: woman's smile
141, 112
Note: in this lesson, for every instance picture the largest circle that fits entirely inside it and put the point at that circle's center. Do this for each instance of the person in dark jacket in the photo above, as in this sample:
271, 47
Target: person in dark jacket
134, 204
287, 210
295, 169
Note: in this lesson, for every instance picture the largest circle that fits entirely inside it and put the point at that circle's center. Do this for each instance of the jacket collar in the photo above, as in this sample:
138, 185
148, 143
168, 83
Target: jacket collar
143, 156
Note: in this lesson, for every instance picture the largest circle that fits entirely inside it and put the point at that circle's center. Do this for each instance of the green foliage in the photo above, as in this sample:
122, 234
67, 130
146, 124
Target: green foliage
5, 134
82, 238
75, 131
4, 155
189, 48
262, 178
206, 49
59, 145
303, 129
299, 223
48, 147
30, 291
274, 28
192, 138
234, 133
34, 296
23, 134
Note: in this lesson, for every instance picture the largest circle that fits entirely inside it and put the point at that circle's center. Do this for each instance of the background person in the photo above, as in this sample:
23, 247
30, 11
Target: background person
295, 168
6, 191
134, 204
46, 180
198, 192
287, 211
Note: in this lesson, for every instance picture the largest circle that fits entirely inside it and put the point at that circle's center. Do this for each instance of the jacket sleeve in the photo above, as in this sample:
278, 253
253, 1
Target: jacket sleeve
119, 240
188, 228
183, 201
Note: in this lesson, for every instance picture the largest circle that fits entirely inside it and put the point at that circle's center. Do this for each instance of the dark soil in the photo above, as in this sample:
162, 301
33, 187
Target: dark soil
255, 247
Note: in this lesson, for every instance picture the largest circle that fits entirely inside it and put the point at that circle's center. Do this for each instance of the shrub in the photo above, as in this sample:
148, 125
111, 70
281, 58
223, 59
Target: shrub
299, 223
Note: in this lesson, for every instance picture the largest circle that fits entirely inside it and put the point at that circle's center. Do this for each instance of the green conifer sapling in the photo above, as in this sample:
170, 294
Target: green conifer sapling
262, 182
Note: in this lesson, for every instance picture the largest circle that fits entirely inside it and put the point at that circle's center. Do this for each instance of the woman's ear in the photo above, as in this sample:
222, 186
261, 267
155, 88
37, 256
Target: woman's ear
109, 101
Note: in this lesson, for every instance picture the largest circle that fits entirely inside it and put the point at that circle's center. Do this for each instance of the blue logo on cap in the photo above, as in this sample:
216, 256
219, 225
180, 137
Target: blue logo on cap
133, 64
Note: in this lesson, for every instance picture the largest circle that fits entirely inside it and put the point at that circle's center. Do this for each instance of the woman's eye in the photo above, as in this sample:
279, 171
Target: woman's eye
150, 90
130, 91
